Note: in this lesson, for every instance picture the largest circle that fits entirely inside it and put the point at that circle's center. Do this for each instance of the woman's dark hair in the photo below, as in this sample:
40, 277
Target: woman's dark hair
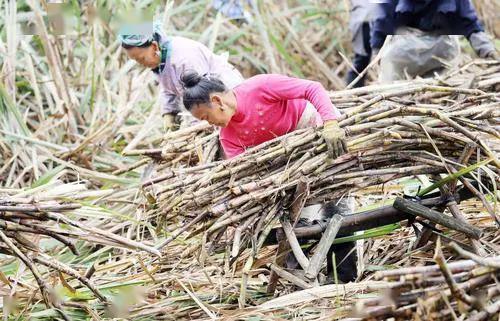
144, 45
197, 88
156, 37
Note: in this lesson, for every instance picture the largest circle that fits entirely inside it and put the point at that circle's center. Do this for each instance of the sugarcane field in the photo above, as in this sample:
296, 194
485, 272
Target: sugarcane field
250, 160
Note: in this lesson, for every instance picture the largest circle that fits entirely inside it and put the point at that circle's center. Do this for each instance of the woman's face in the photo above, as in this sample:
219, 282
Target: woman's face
216, 113
147, 56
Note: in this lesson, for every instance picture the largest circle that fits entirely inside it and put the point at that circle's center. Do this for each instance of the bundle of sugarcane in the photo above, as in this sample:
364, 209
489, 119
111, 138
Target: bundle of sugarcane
479, 74
460, 290
392, 135
27, 231
197, 144
189, 146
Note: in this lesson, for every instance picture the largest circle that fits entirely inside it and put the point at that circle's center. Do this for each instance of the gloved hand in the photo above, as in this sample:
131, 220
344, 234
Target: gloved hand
493, 55
482, 44
334, 138
169, 122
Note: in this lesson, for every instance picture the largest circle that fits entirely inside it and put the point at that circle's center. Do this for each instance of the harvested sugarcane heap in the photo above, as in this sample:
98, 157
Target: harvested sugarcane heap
394, 132
114, 207
391, 135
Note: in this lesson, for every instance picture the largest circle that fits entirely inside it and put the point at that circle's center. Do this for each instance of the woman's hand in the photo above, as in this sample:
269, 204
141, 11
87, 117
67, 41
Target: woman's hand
169, 122
334, 138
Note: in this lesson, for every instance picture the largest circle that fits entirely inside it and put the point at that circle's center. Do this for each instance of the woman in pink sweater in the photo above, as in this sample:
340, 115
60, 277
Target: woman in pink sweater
262, 108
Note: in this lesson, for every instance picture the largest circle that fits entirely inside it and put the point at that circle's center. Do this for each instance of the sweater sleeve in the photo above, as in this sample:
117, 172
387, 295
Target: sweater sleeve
468, 18
170, 103
278, 87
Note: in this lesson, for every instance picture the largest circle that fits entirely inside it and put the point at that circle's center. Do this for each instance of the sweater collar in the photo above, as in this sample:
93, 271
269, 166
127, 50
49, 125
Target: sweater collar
166, 53
238, 116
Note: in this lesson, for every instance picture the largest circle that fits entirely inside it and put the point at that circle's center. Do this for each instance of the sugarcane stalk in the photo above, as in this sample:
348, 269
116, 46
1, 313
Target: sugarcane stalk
158, 179
434, 216
319, 257
279, 259
44, 288
116, 238
488, 312
459, 294
131, 167
35, 229
454, 267
300, 197
237, 235
490, 262
233, 219
31, 208
294, 244
289, 276
69, 271
181, 230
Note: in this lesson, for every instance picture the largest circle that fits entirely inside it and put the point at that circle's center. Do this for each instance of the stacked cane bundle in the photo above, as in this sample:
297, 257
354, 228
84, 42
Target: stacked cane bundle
186, 147
28, 229
467, 289
393, 131
197, 145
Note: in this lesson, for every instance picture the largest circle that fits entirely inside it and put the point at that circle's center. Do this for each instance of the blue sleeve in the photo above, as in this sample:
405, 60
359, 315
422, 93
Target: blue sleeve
383, 23
468, 17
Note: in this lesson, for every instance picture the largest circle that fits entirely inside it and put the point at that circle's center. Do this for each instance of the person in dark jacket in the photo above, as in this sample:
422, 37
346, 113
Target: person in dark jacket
436, 18
444, 17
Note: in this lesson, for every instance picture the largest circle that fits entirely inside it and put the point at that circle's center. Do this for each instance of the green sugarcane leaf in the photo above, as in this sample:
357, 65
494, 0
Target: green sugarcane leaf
371, 233
454, 176
289, 59
8, 108
47, 177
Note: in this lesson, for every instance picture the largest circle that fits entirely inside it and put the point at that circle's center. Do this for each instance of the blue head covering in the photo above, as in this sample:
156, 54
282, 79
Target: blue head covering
137, 35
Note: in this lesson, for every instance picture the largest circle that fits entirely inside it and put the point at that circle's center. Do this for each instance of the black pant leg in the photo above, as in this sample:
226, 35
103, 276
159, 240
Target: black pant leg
346, 262
360, 62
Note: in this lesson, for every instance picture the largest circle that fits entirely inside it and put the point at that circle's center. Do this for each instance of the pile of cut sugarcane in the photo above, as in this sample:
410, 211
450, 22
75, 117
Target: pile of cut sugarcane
189, 146
460, 290
197, 145
28, 229
436, 127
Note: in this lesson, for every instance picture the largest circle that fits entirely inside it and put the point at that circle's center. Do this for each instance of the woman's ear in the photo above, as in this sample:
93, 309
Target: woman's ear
155, 46
217, 101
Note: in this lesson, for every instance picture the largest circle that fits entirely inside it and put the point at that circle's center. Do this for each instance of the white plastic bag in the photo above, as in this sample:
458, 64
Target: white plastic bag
412, 53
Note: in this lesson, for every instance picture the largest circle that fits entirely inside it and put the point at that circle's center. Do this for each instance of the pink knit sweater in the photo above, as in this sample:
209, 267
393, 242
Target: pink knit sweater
269, 106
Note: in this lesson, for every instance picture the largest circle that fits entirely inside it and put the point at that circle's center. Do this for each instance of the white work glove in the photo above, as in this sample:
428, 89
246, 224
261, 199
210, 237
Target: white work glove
482, 45
334, 137
169, 123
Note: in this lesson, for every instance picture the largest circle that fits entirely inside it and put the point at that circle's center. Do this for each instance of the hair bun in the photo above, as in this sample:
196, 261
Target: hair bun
190, 78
